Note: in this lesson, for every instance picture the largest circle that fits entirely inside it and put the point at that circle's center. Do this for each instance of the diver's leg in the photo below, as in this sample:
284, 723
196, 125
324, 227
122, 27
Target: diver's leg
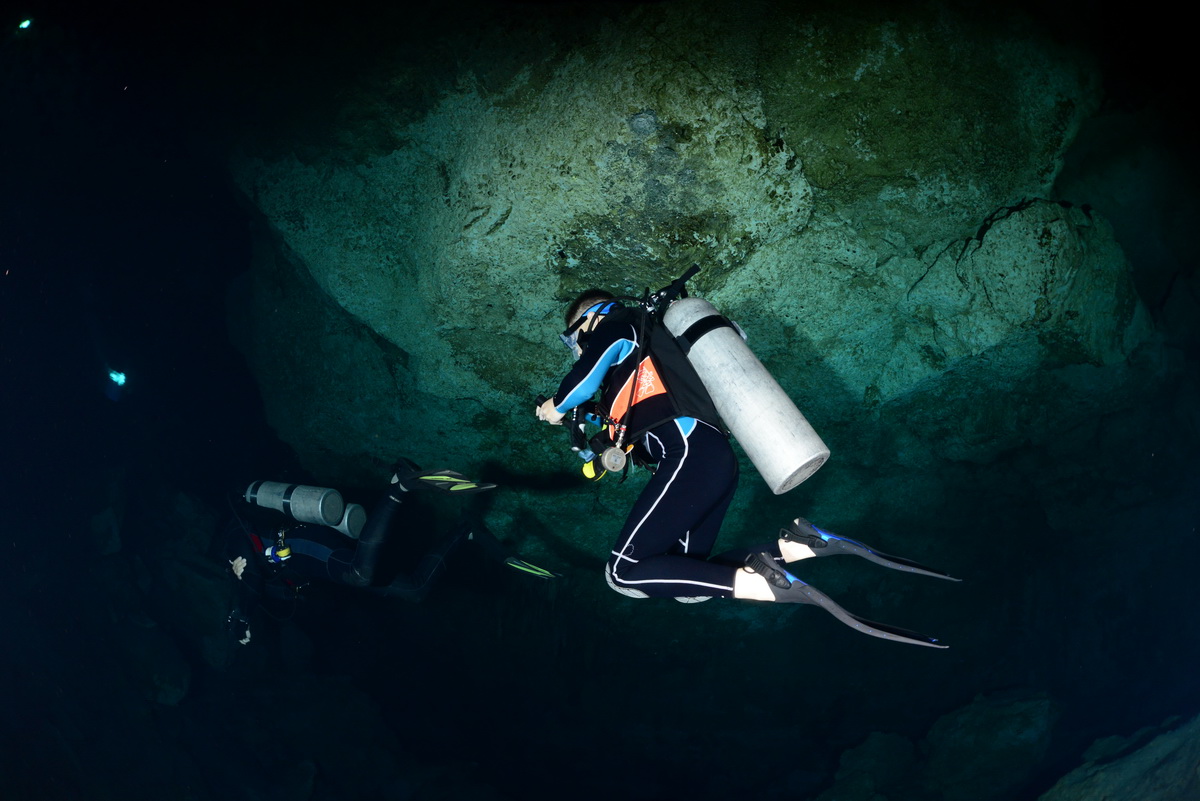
645, 559
416, 586
495, 551
478, 533
712, 449
361, 569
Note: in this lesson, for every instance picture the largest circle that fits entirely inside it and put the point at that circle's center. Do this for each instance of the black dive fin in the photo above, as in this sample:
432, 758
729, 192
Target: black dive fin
517, 563
789, 589
824, 543
411, 477
447, 481
874, 629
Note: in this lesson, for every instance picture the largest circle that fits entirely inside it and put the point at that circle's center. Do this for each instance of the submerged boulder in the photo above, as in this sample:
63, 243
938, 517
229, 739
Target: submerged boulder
988, 748
881, 767
1163, 769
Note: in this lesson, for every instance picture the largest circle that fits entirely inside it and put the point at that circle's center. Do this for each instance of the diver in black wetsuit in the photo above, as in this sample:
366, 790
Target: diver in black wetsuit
654, 407
648, 388
272, 561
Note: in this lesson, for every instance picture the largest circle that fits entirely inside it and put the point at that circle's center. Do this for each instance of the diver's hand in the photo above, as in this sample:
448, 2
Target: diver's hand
238, 628
237, 566
548, 413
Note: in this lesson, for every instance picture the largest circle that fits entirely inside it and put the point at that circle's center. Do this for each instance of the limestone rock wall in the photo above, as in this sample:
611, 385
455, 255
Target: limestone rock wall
866, 194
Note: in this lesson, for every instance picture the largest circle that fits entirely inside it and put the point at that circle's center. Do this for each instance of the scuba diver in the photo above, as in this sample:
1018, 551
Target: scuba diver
273, 560
654, 409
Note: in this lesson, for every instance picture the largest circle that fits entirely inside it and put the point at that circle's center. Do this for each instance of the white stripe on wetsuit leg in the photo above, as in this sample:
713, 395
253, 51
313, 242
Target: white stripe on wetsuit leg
653, 506
679, 424
650, 511
663, 450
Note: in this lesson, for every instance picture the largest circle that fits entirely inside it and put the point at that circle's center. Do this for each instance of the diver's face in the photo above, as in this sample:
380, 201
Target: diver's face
576, 340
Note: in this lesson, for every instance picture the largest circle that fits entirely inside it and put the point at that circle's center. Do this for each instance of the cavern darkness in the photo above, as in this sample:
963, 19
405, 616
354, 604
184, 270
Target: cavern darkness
329, 245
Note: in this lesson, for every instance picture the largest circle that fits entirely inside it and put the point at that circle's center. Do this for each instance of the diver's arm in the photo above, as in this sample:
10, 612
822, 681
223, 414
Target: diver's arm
247, 576
585, 378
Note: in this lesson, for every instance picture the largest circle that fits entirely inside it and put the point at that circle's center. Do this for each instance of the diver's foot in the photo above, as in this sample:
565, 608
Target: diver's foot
780, 580
761, 579
802, 531
402, 469
799, 540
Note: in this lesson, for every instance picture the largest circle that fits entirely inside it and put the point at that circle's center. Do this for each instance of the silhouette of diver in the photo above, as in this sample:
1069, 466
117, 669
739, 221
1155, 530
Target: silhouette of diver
273, 560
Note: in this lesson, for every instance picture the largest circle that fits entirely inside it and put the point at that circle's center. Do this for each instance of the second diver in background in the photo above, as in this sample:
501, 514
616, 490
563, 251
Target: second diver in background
273, 557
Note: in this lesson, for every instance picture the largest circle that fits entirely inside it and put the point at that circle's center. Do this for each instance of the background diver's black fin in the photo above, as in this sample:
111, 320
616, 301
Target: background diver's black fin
409, 476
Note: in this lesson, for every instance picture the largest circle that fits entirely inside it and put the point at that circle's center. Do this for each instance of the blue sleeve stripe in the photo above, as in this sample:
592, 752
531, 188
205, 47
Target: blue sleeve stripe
587, 386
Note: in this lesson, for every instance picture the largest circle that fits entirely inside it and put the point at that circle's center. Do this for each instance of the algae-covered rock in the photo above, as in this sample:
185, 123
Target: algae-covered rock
1037, 308
915, 126
861, 192
616, 163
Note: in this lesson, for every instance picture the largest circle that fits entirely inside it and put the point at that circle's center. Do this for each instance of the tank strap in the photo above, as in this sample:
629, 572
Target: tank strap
252, 495
287, 499
701, 327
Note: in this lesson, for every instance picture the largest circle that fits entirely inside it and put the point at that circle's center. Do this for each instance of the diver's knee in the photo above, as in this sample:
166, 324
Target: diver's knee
615, 585
355, 579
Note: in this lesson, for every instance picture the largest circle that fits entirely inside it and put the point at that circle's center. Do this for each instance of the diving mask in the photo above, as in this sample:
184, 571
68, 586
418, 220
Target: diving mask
573, 337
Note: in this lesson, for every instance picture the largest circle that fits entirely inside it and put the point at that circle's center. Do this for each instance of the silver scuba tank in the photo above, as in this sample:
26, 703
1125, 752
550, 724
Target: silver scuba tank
353, 521
319, 505
762, 418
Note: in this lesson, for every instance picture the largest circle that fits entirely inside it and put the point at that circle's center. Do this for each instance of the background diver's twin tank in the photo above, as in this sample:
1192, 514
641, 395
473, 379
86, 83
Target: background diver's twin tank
317, 505
761, 417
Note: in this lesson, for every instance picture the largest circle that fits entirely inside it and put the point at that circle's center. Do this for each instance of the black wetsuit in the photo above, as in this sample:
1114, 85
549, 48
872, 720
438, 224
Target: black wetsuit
664, 547
324, 554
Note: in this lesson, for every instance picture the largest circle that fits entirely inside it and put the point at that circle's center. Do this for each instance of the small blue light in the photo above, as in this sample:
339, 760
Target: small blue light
116, 378
25, 24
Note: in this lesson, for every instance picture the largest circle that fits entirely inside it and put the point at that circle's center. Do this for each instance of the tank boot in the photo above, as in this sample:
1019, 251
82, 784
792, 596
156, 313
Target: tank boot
762, 579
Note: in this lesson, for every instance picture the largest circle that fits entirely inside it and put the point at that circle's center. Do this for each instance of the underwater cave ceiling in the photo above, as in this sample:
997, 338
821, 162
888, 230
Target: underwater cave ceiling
871, 198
